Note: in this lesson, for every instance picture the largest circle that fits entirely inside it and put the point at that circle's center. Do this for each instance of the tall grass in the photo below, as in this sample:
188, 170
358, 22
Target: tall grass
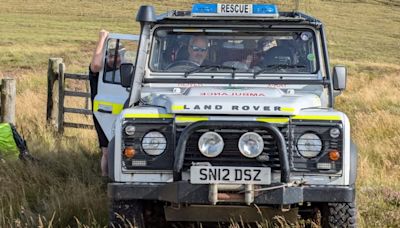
64, 188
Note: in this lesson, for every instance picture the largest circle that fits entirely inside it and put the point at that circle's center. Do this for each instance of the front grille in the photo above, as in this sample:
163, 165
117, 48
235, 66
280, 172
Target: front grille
231, 155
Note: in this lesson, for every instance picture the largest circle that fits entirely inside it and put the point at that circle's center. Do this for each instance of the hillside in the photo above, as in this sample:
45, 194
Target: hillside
64, 188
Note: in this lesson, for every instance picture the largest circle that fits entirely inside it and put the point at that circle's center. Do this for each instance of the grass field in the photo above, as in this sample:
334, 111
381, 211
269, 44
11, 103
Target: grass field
64, 188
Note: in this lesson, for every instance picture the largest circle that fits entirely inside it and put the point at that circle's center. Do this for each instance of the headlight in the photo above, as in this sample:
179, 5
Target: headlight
130, 130
211, 144
251, 144
154, 143
309, 145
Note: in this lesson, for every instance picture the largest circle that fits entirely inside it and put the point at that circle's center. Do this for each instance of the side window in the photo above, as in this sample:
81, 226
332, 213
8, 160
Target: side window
117, 52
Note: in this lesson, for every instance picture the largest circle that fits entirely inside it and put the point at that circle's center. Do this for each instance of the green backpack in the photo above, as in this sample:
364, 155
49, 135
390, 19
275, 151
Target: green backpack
12, 145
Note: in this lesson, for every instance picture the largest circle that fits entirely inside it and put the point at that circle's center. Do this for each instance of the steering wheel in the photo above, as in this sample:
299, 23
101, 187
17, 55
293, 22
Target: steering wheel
182, 64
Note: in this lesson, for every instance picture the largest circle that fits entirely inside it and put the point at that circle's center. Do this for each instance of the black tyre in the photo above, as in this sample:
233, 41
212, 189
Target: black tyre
339, 215
126, 213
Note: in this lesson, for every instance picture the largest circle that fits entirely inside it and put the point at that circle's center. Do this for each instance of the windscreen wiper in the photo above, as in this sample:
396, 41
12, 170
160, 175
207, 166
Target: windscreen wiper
209, 67
278, 66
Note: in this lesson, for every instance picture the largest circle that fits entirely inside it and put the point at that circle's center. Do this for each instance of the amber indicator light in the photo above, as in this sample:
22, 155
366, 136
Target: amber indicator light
129, 152
334, 155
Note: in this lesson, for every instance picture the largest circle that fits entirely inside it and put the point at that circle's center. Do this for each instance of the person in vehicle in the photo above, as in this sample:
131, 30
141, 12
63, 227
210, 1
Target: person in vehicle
198, 49
241, 58
191, 55
278, 55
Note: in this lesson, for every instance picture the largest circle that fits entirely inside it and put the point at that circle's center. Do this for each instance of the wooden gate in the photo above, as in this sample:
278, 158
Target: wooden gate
56, 94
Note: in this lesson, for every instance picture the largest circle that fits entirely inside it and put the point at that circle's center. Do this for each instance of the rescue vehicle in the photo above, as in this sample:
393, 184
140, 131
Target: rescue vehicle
249, 133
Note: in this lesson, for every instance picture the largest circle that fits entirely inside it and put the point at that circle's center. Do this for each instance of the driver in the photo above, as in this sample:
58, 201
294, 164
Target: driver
198, 49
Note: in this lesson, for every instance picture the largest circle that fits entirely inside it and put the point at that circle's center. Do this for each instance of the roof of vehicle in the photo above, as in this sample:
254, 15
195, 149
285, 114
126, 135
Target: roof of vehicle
284, 17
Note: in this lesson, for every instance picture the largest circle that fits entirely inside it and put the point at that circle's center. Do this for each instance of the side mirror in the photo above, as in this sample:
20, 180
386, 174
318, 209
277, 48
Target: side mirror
339, 78
126, 70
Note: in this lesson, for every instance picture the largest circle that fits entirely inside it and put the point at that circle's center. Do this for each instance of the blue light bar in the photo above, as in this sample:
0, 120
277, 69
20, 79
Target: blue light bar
201, 8
246, 10
259, 9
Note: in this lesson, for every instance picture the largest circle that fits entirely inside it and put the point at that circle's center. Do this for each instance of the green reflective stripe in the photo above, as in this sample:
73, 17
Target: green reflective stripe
286, 109
148, 115
182, 119
316, 117
273, 119
177, 107
115, 107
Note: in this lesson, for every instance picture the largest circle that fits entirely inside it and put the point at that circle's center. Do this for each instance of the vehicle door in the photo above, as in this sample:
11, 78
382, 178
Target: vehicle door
111, 96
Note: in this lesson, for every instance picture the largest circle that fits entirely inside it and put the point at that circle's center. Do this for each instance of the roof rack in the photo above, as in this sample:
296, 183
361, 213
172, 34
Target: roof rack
283, 16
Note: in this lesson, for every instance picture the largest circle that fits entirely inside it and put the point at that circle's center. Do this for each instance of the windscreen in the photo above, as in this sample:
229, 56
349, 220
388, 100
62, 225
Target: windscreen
224, 50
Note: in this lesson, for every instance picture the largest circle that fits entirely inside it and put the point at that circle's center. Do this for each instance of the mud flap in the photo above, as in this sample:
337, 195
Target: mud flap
110, 159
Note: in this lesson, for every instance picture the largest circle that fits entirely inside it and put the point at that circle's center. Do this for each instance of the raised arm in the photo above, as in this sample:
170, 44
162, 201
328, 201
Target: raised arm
97, 58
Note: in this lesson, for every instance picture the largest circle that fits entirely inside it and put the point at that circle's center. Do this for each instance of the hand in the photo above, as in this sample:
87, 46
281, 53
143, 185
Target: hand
103, 34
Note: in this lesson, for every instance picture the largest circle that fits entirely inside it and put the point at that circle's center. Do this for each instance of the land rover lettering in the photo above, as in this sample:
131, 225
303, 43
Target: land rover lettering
233, 107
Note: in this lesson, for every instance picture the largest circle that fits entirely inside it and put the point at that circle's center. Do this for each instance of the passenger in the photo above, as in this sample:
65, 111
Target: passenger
263, 46
248, 60
279, 55
243, 58
249, 51
198, 49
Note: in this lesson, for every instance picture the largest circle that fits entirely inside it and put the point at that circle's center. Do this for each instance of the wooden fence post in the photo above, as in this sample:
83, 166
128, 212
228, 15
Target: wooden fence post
61, 85
8, 94
52, 92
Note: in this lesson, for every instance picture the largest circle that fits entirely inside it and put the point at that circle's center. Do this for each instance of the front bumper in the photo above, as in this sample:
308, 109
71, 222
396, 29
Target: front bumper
184, 192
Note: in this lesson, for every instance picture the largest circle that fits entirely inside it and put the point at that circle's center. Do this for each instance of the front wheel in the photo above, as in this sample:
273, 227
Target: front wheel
126, 213
339, 215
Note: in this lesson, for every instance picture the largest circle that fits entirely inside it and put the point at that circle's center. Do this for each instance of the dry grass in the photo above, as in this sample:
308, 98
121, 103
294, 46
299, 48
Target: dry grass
64, 188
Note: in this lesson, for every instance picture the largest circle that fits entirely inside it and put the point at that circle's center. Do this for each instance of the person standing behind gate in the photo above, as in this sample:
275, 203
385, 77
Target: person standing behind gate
95, 67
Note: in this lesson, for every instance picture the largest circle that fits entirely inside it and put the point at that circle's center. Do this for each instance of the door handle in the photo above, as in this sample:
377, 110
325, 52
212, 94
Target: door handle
104, 111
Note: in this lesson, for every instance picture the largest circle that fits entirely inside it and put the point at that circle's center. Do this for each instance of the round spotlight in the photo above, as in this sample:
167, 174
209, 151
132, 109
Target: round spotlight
130, 130
334, 132
211, 144
154, 143
251, 144
309, 145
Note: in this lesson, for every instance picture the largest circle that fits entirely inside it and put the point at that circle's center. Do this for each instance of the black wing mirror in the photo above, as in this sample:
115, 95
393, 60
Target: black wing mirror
339, 78
127, 73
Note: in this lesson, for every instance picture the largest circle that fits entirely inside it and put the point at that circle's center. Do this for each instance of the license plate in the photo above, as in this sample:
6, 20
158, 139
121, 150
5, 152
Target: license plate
229, 175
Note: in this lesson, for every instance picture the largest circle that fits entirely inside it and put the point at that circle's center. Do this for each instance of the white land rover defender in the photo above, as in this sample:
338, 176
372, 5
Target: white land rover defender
226, 113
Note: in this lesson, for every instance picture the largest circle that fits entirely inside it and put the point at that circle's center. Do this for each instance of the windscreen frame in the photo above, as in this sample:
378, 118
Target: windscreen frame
245, 29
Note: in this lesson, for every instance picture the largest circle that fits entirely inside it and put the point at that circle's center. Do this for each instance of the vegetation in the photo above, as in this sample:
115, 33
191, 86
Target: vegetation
64, 187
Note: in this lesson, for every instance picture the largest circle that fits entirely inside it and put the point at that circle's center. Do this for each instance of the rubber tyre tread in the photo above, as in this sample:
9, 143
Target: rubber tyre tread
126, 213
340, 215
